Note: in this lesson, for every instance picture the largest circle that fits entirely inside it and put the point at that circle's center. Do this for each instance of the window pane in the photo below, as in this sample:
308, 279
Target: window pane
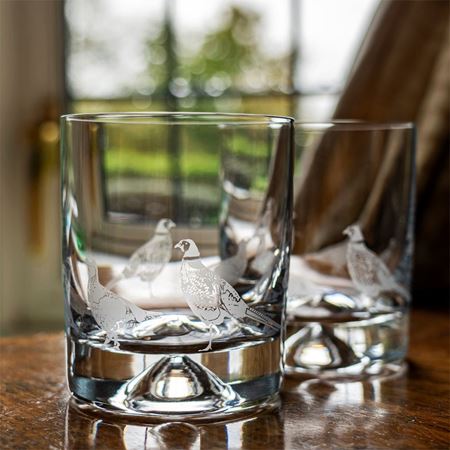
229, 46
228, 56
330, 33
116, 48
316, 107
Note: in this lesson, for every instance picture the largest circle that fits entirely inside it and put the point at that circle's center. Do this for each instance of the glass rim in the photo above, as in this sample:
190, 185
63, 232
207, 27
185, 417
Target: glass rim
353, 124
178, 118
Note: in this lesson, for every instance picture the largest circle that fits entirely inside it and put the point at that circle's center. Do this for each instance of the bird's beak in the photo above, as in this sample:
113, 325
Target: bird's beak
346, 231
171, 224
178, 246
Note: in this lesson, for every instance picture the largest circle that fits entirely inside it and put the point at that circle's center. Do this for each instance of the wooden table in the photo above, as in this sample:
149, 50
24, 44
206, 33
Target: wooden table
407, 411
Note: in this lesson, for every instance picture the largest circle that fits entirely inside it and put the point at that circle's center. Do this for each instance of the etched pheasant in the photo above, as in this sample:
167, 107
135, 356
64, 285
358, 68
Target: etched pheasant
210, 297
149, 260
109, 310
368, 272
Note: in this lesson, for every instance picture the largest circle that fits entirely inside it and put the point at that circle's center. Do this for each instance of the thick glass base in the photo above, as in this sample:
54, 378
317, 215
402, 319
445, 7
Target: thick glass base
347, 349
231, 413
157, 387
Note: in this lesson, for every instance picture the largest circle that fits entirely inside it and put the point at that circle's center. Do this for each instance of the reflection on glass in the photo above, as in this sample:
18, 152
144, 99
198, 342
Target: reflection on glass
348, 392
88, 432
340, 411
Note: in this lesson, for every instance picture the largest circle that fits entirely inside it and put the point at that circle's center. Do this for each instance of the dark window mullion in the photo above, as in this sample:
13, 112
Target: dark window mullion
172, 105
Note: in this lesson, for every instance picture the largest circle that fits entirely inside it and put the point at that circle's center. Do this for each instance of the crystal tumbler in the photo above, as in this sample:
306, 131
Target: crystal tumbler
176, 241
353, 241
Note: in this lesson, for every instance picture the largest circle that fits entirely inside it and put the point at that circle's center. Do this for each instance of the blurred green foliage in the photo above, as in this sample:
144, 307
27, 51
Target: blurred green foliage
216, 77
129, 162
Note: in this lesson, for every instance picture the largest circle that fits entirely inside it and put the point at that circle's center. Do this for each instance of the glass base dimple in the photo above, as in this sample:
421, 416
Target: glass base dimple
358, 348
176, 384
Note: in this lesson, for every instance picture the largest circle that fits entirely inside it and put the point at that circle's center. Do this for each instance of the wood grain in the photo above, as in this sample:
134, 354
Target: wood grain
408, 411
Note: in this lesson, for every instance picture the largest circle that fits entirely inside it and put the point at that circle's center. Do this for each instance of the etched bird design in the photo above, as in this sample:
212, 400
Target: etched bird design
210, 297
109, 310
231, 269
149, 260
368, 272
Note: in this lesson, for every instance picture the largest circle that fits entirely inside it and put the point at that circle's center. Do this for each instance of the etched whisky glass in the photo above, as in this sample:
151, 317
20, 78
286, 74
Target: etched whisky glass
350, 271
176, 240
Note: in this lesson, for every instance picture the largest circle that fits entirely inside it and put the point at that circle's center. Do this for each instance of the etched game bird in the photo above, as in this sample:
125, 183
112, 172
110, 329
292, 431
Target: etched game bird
109, 310
149, 260
210, 297
368, 272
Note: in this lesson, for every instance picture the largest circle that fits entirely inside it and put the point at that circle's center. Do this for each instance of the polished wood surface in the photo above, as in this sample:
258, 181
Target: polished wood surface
409, 410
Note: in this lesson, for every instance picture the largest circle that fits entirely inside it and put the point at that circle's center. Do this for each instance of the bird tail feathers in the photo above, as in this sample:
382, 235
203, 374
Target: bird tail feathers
139, 314
113, 282
395, 287
261, 318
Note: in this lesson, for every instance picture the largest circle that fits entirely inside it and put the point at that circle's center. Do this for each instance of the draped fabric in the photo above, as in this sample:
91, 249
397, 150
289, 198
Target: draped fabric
401, 73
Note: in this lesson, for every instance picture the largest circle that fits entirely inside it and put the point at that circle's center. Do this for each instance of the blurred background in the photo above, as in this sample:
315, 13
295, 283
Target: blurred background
311, 59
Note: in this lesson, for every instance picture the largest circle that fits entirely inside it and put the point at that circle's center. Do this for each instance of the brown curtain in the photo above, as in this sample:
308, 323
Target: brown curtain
402, 74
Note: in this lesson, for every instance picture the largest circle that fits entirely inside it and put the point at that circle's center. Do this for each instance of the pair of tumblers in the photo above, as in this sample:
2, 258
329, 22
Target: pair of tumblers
206, 254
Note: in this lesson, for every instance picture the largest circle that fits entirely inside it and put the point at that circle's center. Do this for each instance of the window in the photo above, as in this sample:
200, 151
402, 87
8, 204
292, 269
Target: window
284, 57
